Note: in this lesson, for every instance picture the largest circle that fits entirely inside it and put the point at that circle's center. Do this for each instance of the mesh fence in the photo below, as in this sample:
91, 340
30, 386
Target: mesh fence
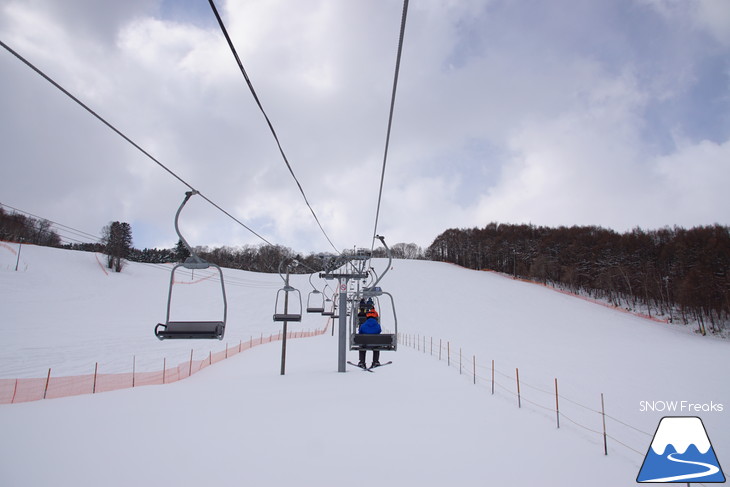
50, 387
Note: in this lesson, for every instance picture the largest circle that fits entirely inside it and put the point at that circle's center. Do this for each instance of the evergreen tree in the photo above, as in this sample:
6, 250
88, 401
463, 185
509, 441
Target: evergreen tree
181, 251
117, 240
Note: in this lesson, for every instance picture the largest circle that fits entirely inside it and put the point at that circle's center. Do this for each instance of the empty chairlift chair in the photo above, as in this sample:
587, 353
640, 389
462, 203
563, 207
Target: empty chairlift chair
329, 305
315, 300
191, 329
282, 310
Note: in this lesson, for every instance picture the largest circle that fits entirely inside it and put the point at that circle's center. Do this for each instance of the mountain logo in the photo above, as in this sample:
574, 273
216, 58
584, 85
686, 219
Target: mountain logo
680, 452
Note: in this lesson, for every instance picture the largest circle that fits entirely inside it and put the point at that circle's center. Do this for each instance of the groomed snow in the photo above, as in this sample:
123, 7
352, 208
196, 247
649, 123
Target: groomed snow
415, 422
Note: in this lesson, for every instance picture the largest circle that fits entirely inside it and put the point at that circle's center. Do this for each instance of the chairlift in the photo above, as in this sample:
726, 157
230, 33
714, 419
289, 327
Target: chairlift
191, 329
329, 305
382, 341
285, 313
315, 299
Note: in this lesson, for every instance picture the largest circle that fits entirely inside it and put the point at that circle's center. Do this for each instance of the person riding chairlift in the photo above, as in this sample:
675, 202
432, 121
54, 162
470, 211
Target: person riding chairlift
371, 326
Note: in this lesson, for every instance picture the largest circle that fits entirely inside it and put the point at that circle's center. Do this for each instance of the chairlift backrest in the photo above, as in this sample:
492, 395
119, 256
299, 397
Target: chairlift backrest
315, 299
286, 314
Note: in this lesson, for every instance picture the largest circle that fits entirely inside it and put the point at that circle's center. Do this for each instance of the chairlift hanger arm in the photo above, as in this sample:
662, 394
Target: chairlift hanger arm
293, 262
390, 259
188, 195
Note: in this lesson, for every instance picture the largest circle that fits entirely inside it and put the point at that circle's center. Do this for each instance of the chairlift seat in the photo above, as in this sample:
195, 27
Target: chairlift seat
190, 329
287, 317
382, 341
315, 310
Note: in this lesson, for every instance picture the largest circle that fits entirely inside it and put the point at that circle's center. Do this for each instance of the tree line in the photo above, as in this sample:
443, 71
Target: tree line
678, 273
22, 228
681, 274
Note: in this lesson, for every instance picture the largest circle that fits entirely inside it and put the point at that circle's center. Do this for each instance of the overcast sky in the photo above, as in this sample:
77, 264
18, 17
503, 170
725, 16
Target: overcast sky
613, 113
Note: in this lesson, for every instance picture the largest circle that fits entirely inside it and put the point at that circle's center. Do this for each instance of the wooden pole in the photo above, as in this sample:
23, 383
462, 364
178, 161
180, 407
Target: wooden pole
20, 247
557, 405
96, 370
190, 370
603, 415
240, 342
134, 368
226, 349
519, 396
48, 379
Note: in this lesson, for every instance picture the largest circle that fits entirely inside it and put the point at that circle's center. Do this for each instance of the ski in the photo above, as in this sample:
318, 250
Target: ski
381, 365
361, 368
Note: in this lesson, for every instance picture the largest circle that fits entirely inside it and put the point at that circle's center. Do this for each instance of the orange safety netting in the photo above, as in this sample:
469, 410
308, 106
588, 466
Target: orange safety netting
49, 387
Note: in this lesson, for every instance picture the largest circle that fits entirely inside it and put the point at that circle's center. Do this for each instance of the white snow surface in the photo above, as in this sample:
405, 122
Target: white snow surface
415, 422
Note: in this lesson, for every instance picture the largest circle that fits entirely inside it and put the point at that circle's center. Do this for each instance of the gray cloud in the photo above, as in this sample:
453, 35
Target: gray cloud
608, 113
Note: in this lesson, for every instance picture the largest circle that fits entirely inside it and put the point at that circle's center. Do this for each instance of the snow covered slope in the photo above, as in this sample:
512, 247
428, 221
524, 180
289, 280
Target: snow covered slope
415, 422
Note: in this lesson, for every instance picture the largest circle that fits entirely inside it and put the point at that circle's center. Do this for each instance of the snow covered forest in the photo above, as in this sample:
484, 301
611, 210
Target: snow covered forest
681, 275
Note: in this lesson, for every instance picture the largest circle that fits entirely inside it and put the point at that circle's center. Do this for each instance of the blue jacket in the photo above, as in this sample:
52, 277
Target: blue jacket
370, 327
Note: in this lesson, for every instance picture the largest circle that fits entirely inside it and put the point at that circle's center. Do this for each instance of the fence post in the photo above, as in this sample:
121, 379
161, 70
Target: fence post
210, 356
134, 368
226, 349
96, 370
519, 397
492, 376
448, 353
603, 415
459, 360
190, 370
164, 368
474, 367
48, 379
440, 347
15, 390
432, 346
240, 342
557, 405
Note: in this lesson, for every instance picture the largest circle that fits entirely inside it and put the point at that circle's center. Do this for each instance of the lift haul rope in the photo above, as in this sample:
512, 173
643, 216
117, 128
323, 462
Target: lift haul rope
268, 121
390, 116
121, 134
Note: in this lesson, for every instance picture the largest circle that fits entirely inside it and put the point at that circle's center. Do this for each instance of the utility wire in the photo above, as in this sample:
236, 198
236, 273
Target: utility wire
268, 121
78, 233
118, 132
390, 116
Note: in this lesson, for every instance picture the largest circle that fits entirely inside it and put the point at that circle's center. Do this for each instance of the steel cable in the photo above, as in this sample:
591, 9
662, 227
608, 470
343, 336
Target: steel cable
268, 121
